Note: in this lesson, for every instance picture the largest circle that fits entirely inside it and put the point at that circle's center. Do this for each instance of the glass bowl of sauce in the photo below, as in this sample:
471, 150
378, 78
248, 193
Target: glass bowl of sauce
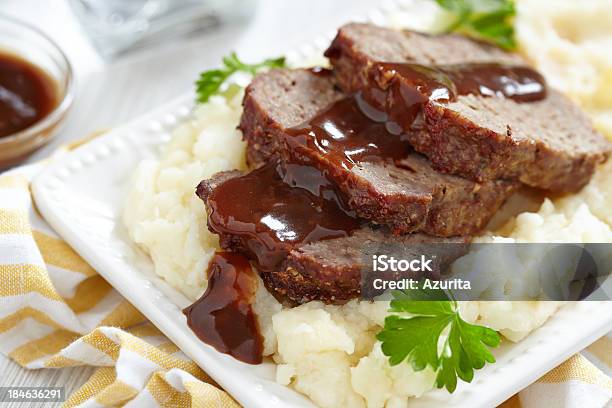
36, 89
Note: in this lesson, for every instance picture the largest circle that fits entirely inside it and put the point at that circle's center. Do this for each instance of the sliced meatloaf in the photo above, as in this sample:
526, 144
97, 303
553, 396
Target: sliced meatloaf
266, 218
292, 96
329, 269
339, 269
399, 189
548, 143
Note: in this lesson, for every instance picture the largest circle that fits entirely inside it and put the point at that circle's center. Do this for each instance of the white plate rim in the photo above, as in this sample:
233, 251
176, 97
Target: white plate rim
55, 180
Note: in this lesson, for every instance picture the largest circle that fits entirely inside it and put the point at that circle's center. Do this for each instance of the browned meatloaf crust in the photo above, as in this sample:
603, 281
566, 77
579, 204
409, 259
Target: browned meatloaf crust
548, 144
331, 270
407, 195
279, 100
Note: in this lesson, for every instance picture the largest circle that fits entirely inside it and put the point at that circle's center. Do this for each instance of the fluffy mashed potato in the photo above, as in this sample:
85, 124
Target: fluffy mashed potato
163, 215
570, 220
570, 42
330, 353
580, 218
597, 194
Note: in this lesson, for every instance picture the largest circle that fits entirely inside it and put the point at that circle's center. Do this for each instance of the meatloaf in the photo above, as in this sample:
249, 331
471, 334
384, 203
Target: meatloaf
549, 143
297, 271
402, 191
280, 100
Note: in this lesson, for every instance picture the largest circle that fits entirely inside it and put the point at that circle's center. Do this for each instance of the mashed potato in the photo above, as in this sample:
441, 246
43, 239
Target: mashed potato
330, 353
584, 217
163, 215
570, 42
598, 195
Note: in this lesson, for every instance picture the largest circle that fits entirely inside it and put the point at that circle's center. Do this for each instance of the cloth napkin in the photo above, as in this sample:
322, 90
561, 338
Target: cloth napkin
56, 311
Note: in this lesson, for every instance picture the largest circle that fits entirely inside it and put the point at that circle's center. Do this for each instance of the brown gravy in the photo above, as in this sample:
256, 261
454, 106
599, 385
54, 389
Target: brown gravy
412, 85
272, 217
27, 94
223, 316
446, 83
351, 131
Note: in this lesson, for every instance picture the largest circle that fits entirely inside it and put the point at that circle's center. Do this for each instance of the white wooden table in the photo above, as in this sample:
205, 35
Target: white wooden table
108, 95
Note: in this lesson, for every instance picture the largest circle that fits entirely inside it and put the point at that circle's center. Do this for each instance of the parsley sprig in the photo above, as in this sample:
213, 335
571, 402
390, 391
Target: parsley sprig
210, 81
416, 338
489, 20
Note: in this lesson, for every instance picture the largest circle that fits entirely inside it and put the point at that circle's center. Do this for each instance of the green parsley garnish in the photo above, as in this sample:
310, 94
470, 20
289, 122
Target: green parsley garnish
416, 339
489, 20
210, 81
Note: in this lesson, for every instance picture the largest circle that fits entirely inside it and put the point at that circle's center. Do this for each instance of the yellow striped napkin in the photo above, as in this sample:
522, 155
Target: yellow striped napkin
56, 311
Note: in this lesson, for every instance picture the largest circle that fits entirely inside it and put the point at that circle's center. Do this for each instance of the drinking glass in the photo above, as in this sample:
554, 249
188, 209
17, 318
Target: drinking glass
118, 26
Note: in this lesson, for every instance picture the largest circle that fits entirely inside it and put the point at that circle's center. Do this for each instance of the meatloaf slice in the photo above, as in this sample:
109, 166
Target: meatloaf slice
290, 96
313, 271
329, 269
548, 143
267, 216
401, 191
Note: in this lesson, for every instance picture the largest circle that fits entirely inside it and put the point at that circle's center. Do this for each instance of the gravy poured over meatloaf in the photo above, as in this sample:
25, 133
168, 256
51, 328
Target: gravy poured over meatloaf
364, 156
304, 247
546, 143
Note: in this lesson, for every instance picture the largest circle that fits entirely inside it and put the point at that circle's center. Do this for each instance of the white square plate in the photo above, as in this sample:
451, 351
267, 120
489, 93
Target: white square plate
81, 196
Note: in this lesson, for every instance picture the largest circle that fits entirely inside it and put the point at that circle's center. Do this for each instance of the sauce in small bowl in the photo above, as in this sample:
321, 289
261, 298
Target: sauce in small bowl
36, 90
27, 94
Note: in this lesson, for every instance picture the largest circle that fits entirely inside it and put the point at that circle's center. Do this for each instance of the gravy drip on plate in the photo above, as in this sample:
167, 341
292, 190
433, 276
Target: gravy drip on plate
223, 317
